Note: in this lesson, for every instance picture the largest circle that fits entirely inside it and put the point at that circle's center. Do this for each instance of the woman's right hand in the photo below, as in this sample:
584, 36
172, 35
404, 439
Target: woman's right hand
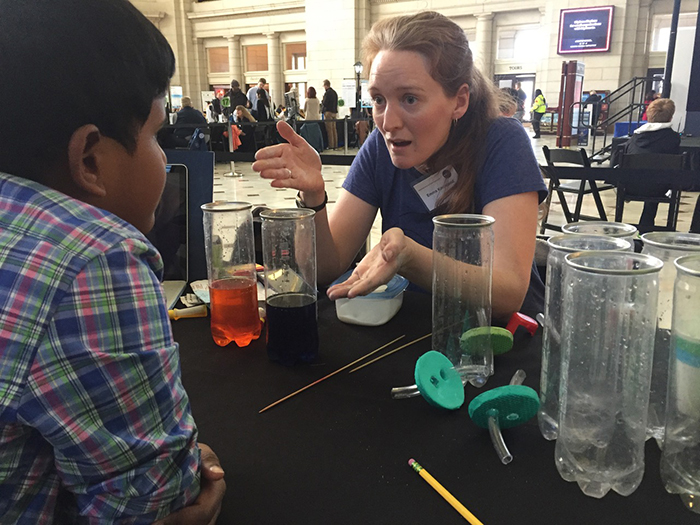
294, 165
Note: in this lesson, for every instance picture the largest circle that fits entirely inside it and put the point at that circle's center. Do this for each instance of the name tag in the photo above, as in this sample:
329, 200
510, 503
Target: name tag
431, 187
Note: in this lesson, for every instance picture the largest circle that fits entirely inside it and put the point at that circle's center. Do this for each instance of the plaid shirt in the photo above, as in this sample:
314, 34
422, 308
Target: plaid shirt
92, 409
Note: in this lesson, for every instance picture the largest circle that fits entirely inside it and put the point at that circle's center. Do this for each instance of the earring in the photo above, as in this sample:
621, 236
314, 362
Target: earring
454, 123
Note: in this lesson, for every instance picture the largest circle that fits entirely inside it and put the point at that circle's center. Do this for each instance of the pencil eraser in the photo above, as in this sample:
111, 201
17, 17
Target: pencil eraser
411, 461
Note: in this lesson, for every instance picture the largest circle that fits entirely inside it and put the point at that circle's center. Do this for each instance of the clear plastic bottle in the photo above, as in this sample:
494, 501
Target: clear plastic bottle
680, 459
289, 254
559, 246
619, 230
610, 301
667, 246
462, 271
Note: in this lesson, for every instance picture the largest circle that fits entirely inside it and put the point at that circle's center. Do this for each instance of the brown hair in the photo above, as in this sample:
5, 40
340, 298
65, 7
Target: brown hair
246, 113
506, 103
661, 110
444, 46
311, 92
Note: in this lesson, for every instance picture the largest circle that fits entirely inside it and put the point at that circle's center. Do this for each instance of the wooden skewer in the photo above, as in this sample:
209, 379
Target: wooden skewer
331, 374
389, 353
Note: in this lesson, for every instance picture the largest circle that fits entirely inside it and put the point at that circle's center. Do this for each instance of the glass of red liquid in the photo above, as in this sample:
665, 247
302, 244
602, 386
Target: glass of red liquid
230, 252
289, 256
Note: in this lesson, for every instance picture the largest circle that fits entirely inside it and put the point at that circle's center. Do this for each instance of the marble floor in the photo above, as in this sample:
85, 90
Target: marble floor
249, 187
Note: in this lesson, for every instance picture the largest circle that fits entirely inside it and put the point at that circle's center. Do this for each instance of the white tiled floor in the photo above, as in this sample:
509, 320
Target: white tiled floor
249, 187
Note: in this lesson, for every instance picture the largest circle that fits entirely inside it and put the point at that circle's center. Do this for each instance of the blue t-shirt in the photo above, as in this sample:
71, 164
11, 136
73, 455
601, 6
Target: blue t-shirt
509, 168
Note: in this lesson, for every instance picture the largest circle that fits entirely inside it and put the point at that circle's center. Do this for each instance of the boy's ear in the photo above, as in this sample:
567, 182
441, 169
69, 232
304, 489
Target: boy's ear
86, 160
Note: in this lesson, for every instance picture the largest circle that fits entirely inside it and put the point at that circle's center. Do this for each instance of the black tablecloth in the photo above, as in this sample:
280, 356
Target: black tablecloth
338, 453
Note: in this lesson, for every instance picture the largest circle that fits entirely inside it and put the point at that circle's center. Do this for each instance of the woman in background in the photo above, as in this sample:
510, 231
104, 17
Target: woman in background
434, 112
539, 107
243, 115
262, 106
312, 105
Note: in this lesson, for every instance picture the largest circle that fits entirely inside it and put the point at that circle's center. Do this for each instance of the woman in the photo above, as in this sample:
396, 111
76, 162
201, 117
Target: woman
539, 107
243, 115
433, 111
312, 105
262, 106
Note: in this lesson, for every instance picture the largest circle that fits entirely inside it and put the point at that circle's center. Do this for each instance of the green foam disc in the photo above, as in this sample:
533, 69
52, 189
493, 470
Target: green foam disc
501, 339
438, 382
512, 405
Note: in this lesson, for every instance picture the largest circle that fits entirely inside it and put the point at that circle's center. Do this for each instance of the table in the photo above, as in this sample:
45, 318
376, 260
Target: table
338, 453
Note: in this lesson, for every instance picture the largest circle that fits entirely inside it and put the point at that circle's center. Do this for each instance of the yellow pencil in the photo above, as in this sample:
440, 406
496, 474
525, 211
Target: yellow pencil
443, 492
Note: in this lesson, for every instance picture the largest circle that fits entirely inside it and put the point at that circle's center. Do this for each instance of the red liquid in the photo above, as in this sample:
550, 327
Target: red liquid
234, 311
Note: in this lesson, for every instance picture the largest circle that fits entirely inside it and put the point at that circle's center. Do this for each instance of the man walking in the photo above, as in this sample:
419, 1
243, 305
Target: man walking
329, 106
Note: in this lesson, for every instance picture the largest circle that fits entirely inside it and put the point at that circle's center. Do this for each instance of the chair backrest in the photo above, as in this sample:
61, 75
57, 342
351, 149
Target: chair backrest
654, 161
556, 156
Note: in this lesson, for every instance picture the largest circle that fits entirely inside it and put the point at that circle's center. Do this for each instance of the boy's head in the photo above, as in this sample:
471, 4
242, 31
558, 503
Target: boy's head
661, 110
103, 70
186, 102
99, 62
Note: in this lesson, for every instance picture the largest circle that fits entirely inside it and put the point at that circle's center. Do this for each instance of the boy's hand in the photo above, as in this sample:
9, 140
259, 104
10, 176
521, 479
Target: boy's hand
205, 510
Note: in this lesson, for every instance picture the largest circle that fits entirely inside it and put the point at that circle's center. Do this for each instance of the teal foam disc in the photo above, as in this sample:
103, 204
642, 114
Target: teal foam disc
438, 382
513, 405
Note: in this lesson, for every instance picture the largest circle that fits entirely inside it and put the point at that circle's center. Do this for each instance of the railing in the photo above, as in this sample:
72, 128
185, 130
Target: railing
628, 102
347, 138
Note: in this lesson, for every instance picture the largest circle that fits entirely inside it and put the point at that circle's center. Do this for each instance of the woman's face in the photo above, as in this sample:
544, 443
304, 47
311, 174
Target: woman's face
239, 114
411, 109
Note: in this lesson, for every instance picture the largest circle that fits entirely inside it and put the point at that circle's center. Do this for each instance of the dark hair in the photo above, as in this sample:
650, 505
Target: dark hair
538, 92
96, 62
445, 47
311, 92
262, 79
263, 96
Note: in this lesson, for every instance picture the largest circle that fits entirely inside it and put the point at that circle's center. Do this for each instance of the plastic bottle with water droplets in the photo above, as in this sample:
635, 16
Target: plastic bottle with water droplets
610, 304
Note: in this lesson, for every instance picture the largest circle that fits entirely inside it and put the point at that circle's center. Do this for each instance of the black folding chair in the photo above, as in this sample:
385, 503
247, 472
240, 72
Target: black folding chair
651, 193
559, 157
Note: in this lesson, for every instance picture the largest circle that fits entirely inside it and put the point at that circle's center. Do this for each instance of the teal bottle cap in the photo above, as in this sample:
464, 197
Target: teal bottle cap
512, 405
438, 382
501, 339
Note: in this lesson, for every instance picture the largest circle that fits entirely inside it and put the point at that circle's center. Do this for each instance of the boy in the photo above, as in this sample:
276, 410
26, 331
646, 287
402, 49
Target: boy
657, 136
95, 425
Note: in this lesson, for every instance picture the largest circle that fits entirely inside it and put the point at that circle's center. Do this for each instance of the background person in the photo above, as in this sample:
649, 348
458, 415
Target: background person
187, 119
262, 107
312, 106
95, 425
539, 108
657, 136
433, 111
252, 95
521, 97
243, 115
236, 97
329, 106
594, 100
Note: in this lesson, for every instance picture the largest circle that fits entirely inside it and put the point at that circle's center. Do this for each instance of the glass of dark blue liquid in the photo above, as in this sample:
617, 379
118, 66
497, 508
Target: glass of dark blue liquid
289, 257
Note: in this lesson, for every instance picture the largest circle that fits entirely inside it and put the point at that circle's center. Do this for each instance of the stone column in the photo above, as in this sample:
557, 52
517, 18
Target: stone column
235, 62
484, 43
274, 66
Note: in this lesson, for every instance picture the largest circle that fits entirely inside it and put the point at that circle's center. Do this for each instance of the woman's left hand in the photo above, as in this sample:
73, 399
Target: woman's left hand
377, 267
